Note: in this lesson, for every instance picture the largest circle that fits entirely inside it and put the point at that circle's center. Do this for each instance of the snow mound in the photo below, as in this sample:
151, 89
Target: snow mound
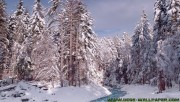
27, 92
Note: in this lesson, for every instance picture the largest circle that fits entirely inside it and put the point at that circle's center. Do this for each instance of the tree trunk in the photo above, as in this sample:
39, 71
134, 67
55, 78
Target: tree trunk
71, 52
1, 73
61, 60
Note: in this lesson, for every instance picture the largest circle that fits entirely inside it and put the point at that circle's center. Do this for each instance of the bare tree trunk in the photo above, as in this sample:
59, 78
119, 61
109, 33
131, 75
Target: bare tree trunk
86, 75
79, 76
161, 82
71, 42
61, 60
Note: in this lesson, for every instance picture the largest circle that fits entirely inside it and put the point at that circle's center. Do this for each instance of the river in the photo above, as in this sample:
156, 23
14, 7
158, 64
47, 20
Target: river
116, 93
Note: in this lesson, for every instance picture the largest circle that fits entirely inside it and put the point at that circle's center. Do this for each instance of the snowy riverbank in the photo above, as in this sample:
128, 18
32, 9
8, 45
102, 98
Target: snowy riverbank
29, 93
147, 91
26, 92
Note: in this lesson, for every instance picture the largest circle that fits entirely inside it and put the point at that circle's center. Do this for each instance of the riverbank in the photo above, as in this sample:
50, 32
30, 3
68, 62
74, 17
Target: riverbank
33, 92
30, 92
147, 91
140, 91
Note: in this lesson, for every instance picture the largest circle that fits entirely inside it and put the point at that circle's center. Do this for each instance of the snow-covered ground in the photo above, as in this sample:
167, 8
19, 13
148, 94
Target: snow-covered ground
25, 91
147, 91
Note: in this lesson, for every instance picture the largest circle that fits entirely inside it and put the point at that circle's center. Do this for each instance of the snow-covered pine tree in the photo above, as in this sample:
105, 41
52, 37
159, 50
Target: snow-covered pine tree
160, 20
125, 52
109, 61
19, 25
168, 55
11, 27
37, 29
53, 24
118, 54
3, 38
173, 28
140, 57
25, 63
86, 47
77, 40
18, 38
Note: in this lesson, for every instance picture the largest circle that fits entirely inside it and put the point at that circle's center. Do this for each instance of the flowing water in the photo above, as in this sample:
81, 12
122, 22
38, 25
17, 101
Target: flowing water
116, 93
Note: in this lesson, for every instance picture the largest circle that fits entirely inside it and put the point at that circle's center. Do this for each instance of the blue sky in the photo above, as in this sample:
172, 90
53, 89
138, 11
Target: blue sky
111, 17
